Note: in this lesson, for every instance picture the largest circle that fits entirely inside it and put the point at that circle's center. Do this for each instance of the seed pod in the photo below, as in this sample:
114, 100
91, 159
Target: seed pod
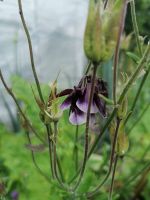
123, 108
111, 25
122, 141
93, 37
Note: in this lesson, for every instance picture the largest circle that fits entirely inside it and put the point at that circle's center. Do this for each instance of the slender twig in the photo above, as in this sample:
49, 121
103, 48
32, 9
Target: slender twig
30, 50
135, 26
60, 169
88, 67
55, 158
117, 49
130, 179
19, 108
75, 150
138, 93
141, 183
140, 66
139, 118
13, 119
105, 3
34, 161
96, 190
113, 177
87, 128
49, 134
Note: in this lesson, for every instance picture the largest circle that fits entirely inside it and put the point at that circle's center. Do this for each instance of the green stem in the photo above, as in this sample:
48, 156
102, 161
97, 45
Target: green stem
135, 74
55, 158
75, 151
96, 190
34, 161
49, 134
88, 67
117, 49
113, 177
135, 26
135, 176
139, 118
138, 93
19, 108
87, 128
30, 50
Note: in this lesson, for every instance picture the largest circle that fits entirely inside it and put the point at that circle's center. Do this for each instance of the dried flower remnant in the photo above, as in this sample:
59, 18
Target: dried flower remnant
78, 99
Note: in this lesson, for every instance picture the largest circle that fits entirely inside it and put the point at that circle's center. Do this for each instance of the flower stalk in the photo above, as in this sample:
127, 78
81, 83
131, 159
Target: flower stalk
30, 50
87, 129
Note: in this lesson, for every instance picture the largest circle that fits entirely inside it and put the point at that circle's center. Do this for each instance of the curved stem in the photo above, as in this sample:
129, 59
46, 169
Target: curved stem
75, 151
96, 190
55, 157
49, 134
30, 50
139, 118
34, 161
135, 26
116, 56
19, 108
88, 67
138, 93
87, 128
113, 177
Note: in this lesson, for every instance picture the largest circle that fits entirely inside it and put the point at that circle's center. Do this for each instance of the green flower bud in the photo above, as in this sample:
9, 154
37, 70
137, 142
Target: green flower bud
122, 141
111, 25
123, 108
93, 37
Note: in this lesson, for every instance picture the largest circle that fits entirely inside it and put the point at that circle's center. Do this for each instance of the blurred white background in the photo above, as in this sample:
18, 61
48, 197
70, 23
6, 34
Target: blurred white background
56, 29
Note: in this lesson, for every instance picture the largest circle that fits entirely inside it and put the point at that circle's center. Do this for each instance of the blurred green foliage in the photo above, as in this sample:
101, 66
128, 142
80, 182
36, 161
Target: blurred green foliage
18, 173
143, 16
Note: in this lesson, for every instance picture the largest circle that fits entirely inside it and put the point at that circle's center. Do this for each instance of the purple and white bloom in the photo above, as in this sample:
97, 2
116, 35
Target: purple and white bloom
78, 99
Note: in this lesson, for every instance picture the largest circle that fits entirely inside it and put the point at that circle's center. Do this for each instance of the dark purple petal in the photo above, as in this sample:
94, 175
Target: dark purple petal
83, 101
100, 105
64, 93
66, 104
77, 117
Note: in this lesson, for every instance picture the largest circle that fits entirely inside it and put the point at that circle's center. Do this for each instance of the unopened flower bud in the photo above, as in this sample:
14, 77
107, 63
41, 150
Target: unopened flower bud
111, 26
123, 108
122, 141
93, 37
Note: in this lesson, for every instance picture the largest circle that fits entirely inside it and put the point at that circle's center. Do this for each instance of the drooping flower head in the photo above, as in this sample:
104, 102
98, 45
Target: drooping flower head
78, 99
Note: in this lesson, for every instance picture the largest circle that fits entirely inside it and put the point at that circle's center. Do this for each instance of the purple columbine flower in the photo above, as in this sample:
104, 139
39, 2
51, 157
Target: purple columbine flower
78, 99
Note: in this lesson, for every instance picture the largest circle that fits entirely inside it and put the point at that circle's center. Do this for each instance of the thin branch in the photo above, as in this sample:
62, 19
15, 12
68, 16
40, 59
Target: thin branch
135, 26
113, 177
139, 118
88, 67
96, 190
75, 150
55, 158
116, 56
87, 129
147, 71
49, 134
34, 161
30, 50
19, 108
